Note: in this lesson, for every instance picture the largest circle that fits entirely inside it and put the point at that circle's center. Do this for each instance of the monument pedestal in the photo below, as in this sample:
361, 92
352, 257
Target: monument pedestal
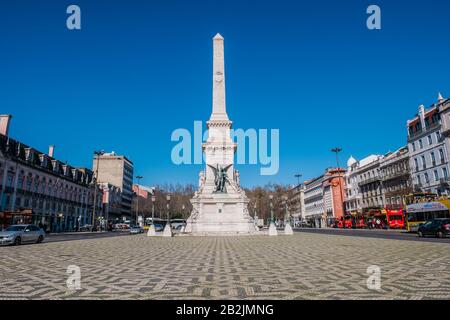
151, 231
220, 214
273, 229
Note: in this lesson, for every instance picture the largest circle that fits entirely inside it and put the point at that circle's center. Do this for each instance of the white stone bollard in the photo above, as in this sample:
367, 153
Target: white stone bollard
288, 229
273, 230
167, 230
151, 231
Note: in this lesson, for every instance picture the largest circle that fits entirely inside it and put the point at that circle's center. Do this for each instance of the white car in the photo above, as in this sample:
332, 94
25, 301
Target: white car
20, 233
136, 230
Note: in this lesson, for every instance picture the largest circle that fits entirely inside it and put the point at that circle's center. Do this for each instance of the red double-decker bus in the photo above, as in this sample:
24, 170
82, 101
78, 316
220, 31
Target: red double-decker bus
395, 219
343, 222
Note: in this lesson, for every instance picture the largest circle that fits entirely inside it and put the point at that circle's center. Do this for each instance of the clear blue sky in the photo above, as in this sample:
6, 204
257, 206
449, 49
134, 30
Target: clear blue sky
140, 69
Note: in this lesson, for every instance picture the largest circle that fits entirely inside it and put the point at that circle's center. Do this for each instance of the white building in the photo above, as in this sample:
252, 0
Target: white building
363, 184
429, 149
352, 195
444, 109
296, 200
314, 204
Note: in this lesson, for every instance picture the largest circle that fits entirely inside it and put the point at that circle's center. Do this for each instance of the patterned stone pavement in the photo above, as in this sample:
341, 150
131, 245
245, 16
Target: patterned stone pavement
302, 266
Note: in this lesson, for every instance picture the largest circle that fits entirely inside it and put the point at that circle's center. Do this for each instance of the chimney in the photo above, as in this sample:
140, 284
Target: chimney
422, 116
4, 124
51, 150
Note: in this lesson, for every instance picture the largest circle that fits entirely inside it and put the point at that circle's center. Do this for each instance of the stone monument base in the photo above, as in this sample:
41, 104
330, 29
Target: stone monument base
220, 214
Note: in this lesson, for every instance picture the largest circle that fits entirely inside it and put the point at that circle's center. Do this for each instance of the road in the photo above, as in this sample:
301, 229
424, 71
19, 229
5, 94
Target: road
58, 237
378, 234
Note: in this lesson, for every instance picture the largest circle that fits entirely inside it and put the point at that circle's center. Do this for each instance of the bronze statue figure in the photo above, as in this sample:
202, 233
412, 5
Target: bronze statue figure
220, 177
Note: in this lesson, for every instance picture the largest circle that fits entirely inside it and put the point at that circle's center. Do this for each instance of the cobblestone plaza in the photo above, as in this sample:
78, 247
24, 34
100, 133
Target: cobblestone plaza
302, 266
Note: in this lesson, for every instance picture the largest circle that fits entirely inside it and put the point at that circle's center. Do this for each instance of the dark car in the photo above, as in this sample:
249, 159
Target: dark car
437, 227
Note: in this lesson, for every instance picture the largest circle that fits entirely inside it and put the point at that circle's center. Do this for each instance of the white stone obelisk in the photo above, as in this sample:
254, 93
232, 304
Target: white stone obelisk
219, 212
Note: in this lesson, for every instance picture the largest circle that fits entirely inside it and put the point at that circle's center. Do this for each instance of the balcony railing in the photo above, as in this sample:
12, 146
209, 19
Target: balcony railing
423, 131
395, 175
369, 180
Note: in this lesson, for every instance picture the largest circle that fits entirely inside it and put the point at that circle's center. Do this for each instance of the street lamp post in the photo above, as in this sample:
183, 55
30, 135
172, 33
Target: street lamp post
298, 176
168, 229
97, 155
336, 151
272, 229
151, 230
153, 209
137, 198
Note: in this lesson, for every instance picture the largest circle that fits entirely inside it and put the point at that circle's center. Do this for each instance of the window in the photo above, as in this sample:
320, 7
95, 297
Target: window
433, 158
413, 146
424, 164
9, 182
441, 155
420, 144
419, 180
417, 164
430, 140
438, 136
436, 175
444, 173
20, 182
426, 177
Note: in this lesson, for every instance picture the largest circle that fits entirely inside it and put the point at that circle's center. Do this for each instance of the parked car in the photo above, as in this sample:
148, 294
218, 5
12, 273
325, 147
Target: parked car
121, 227
178, 226
21, 233
439, 227
136, 229
86, 227
159, 227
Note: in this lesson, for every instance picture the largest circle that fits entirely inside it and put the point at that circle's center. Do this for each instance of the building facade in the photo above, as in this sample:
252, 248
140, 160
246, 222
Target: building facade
369, 183
314, 208
112, 201
363, 188
117, 171
395, 178
428, 149
53, 194
296, 203
333, 187
352, 194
